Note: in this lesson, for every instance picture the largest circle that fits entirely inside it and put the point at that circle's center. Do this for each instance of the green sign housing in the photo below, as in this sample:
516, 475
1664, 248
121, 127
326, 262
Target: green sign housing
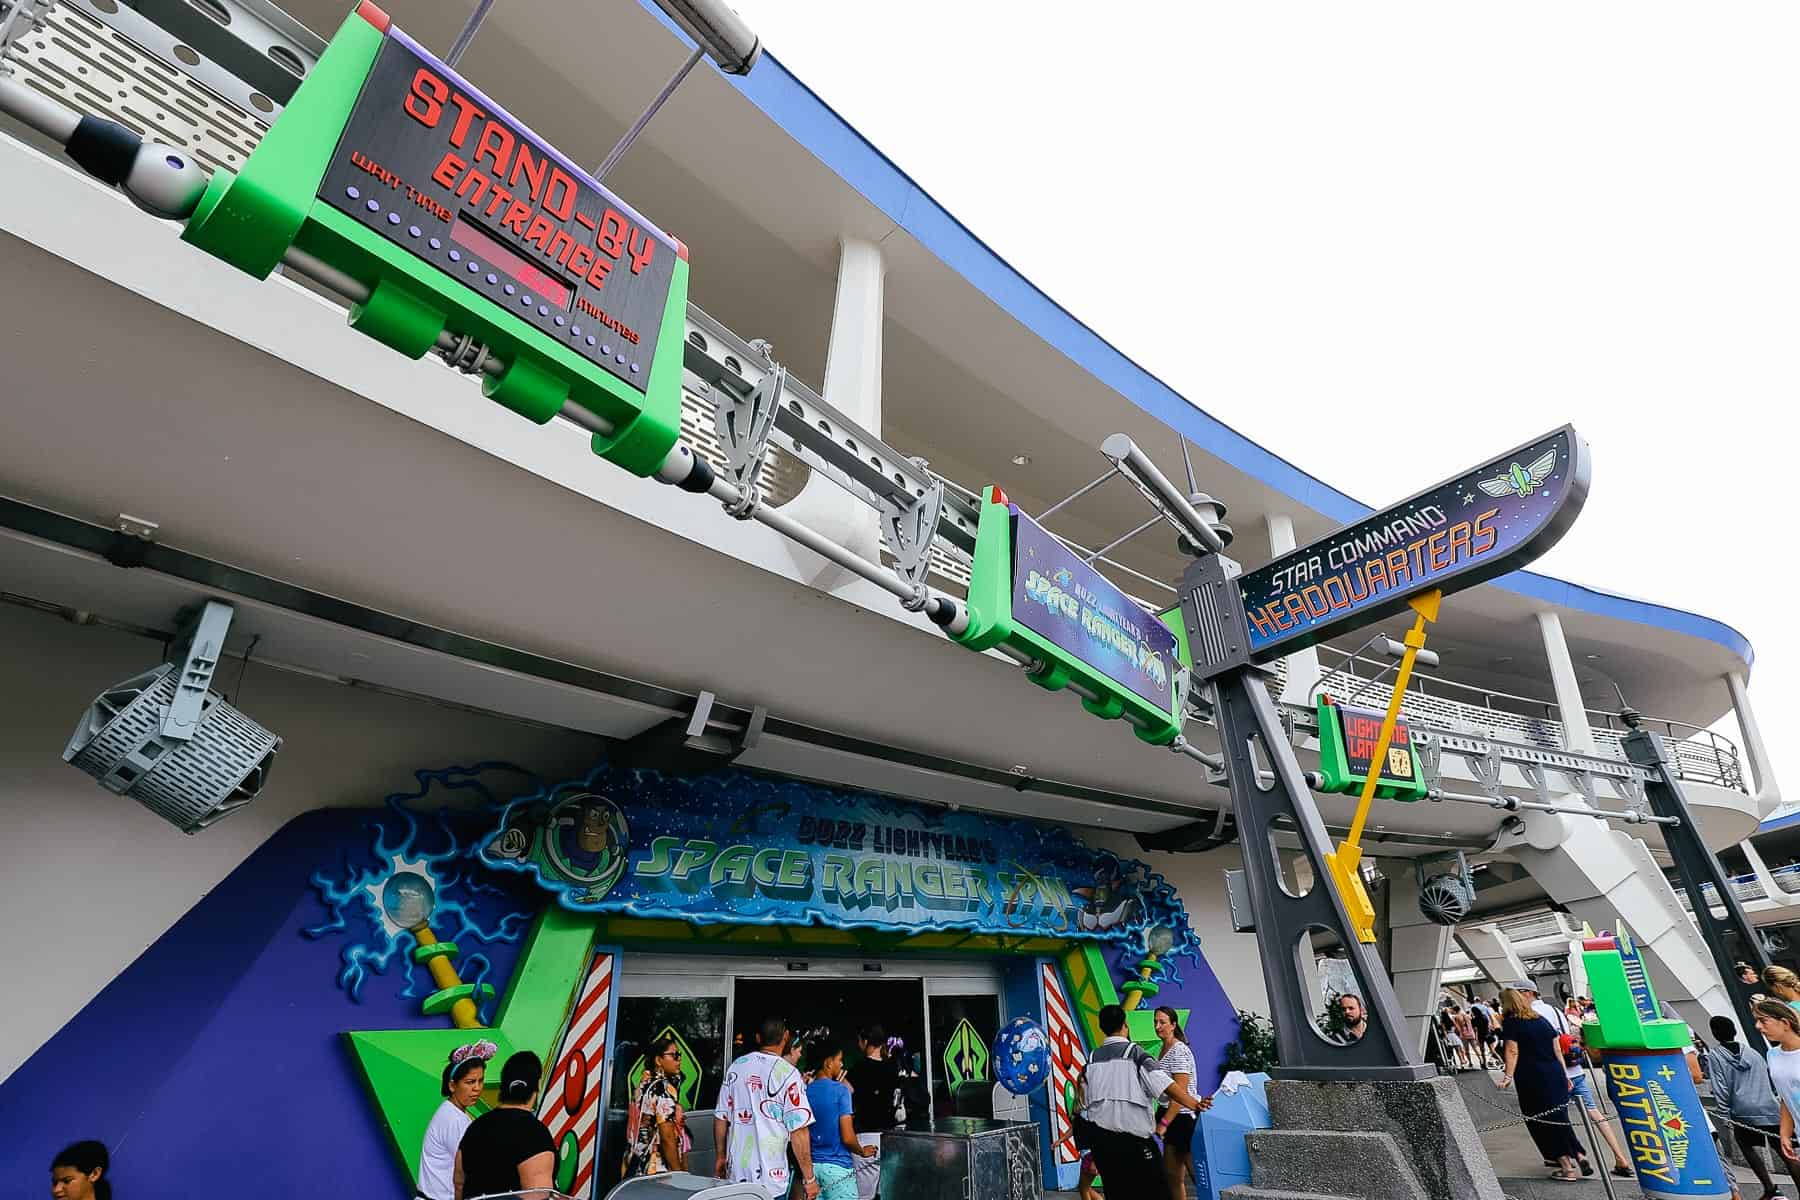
1030, 592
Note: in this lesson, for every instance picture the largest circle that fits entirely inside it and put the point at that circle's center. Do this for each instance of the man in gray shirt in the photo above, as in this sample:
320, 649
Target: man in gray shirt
1121, 1085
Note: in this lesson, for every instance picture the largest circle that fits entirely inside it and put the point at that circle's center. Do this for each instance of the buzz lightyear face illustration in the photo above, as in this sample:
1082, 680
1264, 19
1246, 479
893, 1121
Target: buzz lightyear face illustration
587, 840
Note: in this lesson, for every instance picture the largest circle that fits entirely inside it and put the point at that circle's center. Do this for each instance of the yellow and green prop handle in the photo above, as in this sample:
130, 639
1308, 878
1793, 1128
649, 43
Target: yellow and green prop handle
453, 996
1345, 862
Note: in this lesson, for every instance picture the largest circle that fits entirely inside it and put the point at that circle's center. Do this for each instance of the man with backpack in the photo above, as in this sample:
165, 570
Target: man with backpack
1121, 1086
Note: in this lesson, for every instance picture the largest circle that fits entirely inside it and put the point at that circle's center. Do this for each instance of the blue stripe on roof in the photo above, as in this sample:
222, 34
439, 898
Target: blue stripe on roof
1779, 823
831, 139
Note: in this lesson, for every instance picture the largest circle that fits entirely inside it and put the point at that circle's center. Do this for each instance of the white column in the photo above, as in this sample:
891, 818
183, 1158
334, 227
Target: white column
1578, 980
1756, 756
1419, 950
1578, 738
1766, 877
853, 387
1302, 665
1489, 948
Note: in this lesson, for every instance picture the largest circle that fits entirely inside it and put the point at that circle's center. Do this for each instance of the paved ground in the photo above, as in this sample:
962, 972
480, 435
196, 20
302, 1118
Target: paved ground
1522, 1173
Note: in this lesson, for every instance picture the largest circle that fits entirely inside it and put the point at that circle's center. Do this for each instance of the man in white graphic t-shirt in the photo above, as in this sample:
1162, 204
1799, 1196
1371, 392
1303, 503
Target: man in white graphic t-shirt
762, 1109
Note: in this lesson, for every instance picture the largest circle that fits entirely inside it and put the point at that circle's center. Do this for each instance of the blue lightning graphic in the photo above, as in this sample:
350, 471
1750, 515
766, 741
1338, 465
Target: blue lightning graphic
426, 881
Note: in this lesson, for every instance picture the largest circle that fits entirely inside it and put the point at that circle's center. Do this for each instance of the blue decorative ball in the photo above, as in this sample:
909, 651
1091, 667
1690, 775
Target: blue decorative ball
1022, 1056
408, 899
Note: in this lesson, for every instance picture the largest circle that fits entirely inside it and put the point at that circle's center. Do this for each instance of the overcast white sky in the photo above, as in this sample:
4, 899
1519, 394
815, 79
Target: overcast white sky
1421, 231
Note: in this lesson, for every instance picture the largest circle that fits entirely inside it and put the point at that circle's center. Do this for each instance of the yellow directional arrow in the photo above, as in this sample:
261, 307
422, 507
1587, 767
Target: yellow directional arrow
1346, 862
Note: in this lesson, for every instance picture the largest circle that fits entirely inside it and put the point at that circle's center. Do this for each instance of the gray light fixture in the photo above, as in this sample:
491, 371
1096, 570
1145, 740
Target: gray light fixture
718, 30
168, 741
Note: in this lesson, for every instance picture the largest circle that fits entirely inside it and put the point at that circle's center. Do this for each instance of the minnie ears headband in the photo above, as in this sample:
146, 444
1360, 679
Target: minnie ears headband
482, 1050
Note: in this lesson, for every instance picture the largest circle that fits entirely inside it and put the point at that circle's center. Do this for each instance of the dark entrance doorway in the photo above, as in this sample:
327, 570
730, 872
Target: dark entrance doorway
839, 1009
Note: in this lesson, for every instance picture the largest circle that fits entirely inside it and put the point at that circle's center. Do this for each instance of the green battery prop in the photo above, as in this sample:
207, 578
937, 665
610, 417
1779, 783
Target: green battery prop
469, 236
1645, 1059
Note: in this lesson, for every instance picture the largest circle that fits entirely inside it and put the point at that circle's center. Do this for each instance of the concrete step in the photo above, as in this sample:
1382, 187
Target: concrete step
1256, 1193
1368, 1166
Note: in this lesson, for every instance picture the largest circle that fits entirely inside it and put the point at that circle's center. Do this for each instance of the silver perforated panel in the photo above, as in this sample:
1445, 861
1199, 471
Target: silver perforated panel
98, 71
190, 784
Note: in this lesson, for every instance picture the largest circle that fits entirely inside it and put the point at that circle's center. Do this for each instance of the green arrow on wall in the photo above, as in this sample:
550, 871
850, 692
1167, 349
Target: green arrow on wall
965, 1057
403, 1068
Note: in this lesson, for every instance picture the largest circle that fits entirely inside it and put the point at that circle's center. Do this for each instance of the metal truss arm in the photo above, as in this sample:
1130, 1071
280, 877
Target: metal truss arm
1698, 866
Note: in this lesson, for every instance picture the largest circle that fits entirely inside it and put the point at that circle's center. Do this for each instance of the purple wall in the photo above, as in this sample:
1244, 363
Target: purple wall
1212, 1019
214, 1060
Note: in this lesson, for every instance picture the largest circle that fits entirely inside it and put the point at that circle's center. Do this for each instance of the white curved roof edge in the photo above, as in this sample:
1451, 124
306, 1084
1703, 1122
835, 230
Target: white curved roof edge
811, 122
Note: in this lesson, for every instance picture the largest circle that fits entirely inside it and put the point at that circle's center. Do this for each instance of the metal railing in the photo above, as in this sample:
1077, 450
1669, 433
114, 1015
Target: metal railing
1749, 887
1701, 755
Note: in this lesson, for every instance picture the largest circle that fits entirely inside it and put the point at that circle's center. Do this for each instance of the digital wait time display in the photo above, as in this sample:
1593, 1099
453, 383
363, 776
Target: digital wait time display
434, 166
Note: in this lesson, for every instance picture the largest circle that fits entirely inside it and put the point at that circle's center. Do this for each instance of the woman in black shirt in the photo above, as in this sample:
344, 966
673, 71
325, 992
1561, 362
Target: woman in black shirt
1535, 1068
508, 1149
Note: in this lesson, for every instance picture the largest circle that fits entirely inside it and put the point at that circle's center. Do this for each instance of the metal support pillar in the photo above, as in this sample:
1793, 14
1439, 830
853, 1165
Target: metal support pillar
1249, 726
1267, 788
1699, 866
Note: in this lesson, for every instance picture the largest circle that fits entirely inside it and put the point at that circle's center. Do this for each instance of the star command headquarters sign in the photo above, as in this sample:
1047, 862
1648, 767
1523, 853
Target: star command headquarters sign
1466, 530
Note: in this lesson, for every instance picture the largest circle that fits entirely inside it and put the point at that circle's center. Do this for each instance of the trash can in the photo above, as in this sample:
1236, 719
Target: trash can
1220, 1157
954, 1158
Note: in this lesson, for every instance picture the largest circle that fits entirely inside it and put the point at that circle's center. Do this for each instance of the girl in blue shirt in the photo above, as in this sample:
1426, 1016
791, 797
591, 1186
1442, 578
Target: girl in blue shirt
833, 1133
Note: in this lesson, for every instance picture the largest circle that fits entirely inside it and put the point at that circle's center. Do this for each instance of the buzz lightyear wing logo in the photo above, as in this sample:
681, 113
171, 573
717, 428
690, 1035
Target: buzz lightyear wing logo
1520, 481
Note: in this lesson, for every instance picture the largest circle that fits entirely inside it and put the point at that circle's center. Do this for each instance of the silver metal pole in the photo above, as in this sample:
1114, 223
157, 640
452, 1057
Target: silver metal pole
39, 111
461, 45
1075, 495
1509, 804
1605, 1172
1147, 475
328, 276
637, 126
1182, 746
1120, 541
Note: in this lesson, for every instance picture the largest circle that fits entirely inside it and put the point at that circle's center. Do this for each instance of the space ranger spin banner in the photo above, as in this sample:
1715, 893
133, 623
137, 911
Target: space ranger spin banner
1482, 523
731, 847
1063, 600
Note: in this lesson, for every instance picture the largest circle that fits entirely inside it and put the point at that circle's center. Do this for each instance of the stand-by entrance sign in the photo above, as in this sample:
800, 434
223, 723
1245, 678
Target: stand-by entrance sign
392, 169
1468, 529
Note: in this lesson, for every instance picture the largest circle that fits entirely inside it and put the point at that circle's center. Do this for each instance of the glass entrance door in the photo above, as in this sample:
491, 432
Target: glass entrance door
962, 1030
691, 1010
